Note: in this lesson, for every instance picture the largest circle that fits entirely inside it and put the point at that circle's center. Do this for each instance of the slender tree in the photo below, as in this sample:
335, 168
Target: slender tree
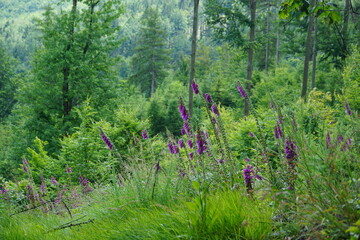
226, 19
151, 54
193, 54
308, 45
314, 55
267, 34
319, 9
250, 53
72, 65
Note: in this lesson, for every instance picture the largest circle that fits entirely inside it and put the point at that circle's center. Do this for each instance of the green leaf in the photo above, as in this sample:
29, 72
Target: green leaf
191, 205
196, 185
353, 229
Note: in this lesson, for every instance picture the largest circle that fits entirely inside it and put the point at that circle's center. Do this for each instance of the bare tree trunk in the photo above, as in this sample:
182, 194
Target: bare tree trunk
345, 29
153, 78
193, 54
277, 51
250, 55
277, 54
67, 102
307, 53
267, 37
313, 75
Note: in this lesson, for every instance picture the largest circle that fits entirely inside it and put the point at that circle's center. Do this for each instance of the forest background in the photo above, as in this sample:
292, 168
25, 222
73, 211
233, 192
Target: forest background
90, 94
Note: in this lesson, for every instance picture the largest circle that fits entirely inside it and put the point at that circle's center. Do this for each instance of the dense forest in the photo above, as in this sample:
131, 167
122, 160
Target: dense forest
179, 119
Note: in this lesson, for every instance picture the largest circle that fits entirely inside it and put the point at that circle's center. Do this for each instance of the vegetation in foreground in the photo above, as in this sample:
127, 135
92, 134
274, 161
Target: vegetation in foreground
98, 141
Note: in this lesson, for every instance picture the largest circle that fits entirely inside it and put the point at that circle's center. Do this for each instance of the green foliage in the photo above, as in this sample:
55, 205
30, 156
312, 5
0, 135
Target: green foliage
163, 109
151, 56
71, 107
323, 9
72, 65
351, 76
6, 149
226, 18
283, 84
7, 83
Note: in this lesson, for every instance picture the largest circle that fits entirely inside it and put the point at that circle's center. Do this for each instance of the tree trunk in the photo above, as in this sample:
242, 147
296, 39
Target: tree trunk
307, 53
67, 102
277, 50
313, 75
250, 55
193, 54
153, 78
277, 53
267, 37
345, 29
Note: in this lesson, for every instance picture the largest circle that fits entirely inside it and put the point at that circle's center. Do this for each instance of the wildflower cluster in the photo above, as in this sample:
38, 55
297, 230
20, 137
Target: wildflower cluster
249, 174
106, 140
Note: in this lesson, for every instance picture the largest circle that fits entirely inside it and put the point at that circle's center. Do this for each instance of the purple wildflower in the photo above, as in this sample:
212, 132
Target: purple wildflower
68, 169
221, 161
208, 97
25, 164
213, 120
249, 173
176, 149
206, 135
42, 185
328, 140
291, 188
187, 128
171, 147
191, 144
53, 180
247, 160
195, 87
349, 141
181, 173
191, 155
106, 140
272, 104
277, 131
75, 194
144, 134
347, 109
59, 198
182, 131
29, 193
157, 167
241, 91
85, 184
200, 144
3, 190
214, 110
183, 112
181, 143
251, 134
290, 150
340, 138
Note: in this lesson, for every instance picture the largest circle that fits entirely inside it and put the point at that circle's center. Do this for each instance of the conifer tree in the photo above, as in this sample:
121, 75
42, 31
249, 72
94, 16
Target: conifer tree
151, 57
73, 64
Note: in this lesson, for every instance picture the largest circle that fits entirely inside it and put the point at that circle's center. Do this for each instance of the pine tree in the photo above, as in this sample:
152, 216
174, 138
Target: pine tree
72, 65
151, 57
